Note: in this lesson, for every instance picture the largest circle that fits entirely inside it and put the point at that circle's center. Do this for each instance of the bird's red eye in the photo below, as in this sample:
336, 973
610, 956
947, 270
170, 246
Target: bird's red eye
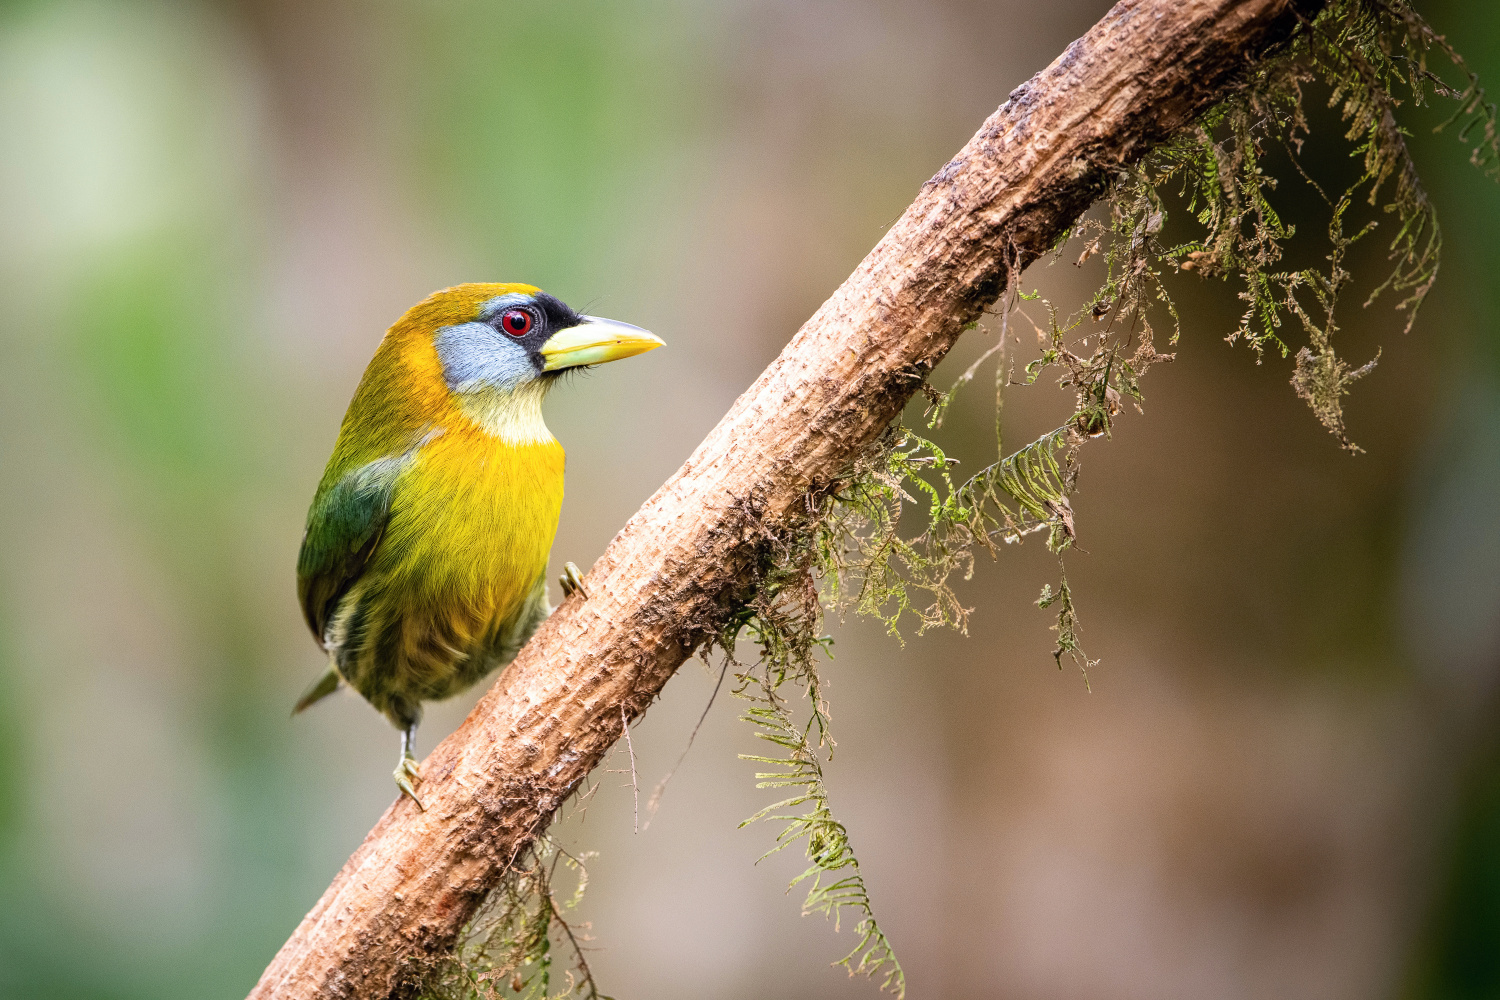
516, 322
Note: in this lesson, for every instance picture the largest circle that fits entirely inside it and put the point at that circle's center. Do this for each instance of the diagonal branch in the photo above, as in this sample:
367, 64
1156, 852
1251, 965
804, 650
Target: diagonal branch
693, 552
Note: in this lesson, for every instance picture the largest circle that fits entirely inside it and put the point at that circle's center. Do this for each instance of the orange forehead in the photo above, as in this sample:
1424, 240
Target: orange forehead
459, 304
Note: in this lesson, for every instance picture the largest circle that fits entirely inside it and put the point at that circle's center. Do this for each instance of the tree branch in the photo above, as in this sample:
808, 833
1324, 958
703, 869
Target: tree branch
694, 551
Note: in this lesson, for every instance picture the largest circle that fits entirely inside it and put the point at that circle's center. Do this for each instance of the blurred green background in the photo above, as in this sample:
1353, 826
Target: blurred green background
1285, 781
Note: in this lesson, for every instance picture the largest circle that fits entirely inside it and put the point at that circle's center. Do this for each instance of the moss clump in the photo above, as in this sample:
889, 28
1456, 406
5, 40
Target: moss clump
508, 948
848, 551
1371, 55
845, 549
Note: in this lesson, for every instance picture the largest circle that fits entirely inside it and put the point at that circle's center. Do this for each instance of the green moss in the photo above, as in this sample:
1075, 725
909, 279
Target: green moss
848, 550
1372, 55
507, 949
845, 550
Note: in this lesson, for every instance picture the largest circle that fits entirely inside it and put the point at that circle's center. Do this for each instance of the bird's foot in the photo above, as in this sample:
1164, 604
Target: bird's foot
408, 775
572, 582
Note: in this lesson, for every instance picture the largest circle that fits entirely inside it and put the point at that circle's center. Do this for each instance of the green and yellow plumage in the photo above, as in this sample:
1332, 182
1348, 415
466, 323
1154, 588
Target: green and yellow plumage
424, 563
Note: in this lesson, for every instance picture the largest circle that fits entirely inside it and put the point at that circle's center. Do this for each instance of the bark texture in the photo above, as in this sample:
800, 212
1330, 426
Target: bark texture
694, 549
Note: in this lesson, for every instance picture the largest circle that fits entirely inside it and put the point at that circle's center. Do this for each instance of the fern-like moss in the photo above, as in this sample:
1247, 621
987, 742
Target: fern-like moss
1371, 55
1214, 172
846, 549
507, 951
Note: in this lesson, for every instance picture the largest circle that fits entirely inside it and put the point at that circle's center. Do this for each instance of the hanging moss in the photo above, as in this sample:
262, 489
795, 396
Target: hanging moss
1371, 55
844, 551
508, 948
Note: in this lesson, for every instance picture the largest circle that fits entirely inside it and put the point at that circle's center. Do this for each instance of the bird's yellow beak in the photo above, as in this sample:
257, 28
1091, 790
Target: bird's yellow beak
595, 341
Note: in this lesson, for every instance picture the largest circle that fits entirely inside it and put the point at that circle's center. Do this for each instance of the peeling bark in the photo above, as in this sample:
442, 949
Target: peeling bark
691, 552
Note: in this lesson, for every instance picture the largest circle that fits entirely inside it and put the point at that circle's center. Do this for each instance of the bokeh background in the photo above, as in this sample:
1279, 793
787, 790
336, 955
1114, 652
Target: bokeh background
1284, 782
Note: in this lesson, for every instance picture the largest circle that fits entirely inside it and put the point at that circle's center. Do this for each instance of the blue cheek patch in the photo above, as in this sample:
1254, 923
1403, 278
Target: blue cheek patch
477, 356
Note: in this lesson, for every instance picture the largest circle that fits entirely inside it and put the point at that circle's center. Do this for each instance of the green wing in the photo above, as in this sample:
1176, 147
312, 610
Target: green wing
345, 525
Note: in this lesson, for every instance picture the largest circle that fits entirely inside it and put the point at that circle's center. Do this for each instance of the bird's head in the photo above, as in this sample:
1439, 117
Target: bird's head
496, 348
506, 337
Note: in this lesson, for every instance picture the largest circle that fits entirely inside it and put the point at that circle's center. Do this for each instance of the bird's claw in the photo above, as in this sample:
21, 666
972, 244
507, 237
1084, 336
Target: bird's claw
408, 774
572, 582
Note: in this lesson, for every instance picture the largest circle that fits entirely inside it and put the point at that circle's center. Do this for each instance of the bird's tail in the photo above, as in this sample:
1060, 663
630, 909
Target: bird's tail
319, 689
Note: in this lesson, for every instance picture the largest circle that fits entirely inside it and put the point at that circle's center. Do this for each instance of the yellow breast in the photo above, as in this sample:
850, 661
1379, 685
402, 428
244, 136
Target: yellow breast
472, 525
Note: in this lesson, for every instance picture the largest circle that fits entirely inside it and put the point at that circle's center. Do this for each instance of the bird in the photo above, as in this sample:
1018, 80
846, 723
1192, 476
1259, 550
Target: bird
423, 567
